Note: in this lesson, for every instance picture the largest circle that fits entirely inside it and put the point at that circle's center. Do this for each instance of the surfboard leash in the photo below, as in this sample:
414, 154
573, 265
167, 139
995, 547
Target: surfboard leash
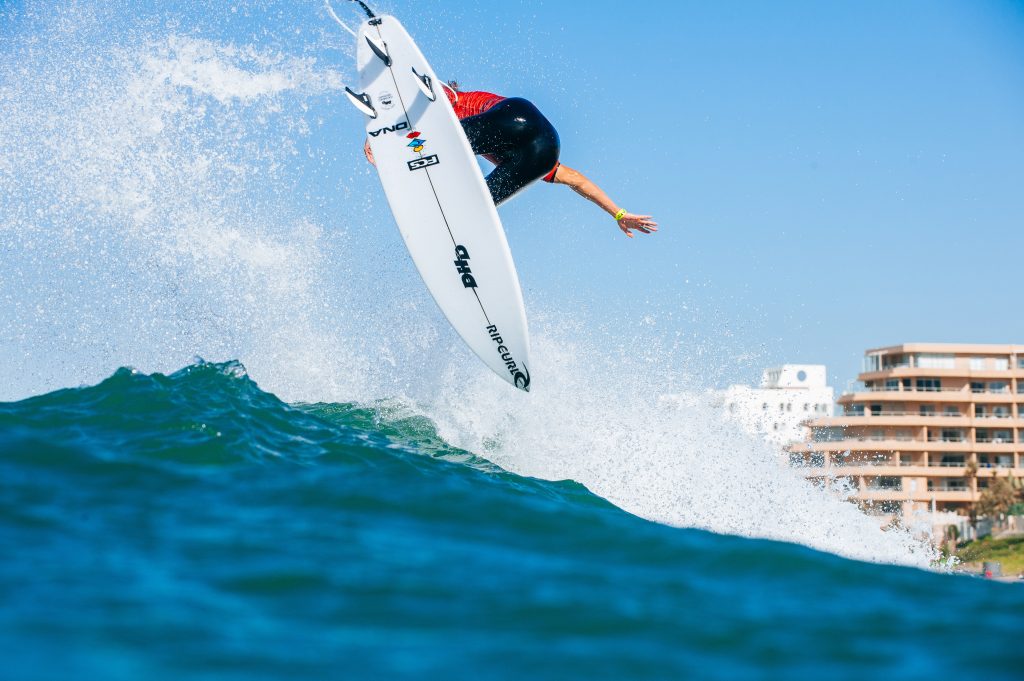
369, 12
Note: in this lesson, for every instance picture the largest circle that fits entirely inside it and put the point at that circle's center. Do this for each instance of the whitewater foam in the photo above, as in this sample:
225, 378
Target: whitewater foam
680, 462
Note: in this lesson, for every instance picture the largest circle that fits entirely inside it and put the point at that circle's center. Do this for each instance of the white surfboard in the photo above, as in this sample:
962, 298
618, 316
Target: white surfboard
439, 198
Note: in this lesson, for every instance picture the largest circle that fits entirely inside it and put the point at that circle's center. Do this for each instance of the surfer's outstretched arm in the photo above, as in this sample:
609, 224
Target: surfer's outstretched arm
586, 188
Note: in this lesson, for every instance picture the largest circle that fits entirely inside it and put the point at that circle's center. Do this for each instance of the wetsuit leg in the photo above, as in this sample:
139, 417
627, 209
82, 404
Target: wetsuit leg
519, 138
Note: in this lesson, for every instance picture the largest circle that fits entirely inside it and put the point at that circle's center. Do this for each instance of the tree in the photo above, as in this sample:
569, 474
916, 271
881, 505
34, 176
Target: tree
997, 498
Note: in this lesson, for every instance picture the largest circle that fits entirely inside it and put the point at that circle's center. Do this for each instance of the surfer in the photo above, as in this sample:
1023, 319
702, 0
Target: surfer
514, 135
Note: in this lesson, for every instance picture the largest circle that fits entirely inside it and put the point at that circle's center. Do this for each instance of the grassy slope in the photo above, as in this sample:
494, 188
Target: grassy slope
1009, 552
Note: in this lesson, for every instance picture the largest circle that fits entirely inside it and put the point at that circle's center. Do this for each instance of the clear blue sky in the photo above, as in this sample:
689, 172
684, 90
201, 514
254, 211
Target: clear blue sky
828, 176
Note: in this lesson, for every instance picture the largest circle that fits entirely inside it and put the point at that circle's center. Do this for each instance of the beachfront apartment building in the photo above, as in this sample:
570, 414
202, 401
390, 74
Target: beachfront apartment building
925, 429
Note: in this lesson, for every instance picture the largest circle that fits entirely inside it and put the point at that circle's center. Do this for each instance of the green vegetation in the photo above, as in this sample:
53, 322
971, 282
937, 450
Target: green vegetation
1000, 495
1009, 552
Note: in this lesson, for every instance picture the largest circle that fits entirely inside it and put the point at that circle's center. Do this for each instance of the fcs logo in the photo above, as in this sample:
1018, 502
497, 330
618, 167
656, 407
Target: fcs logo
462, 266
424, 162
416, 144
404, 125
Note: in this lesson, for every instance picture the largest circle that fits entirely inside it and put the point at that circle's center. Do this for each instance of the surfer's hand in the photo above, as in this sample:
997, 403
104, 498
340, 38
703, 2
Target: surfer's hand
641, 223
369, 153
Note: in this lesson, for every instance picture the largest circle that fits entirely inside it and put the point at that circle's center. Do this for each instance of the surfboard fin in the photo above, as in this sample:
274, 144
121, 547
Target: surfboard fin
426, 84
379, 49
361, 102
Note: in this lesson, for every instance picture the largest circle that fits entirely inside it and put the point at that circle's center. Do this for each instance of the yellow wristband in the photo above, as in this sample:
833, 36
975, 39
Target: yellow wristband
621, 214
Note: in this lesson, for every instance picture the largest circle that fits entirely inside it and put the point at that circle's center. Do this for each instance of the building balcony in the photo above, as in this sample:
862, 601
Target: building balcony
920, 495
944, 396
907, 389
932, 470
869, 445
906, 371
991, 470
945, 495
915, 420
880, 494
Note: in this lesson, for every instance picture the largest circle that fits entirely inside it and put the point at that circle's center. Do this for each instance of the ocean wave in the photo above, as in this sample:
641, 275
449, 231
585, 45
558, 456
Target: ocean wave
193, 524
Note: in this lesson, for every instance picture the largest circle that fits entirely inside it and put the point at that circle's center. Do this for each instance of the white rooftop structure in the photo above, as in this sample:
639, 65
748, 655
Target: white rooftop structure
788, 396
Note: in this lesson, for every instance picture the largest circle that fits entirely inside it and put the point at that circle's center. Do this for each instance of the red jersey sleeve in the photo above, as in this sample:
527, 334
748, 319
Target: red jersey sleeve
471, 103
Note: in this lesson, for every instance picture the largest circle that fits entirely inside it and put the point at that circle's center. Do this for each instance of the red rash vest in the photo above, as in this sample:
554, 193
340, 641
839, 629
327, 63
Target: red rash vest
468, 104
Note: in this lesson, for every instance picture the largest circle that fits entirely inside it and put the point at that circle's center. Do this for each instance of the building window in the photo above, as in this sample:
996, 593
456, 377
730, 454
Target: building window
1000, 363
853, 409
1020, 362
828, 434
982, 435
1001, 412
950, 410
1002, 437
977, 387
951, 435
885, 482
947, 485
977, 363
936, 361
927, 410
896, 361
871, 363
892, 384
903, 435
929, 385
887, 507
953, 460
998, 387
876, 410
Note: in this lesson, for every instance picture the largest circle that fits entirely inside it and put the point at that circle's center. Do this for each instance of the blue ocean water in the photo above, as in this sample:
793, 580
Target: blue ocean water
194, 526
179, 178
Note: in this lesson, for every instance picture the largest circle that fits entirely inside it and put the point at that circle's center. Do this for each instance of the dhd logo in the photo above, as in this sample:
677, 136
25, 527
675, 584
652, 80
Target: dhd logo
462, 266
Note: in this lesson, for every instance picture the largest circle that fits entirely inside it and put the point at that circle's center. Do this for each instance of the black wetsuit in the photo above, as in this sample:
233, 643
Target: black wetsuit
517, 137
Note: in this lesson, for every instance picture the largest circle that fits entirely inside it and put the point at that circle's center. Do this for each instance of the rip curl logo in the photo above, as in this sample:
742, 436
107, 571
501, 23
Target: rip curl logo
462, 267
416, 144
520, 375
